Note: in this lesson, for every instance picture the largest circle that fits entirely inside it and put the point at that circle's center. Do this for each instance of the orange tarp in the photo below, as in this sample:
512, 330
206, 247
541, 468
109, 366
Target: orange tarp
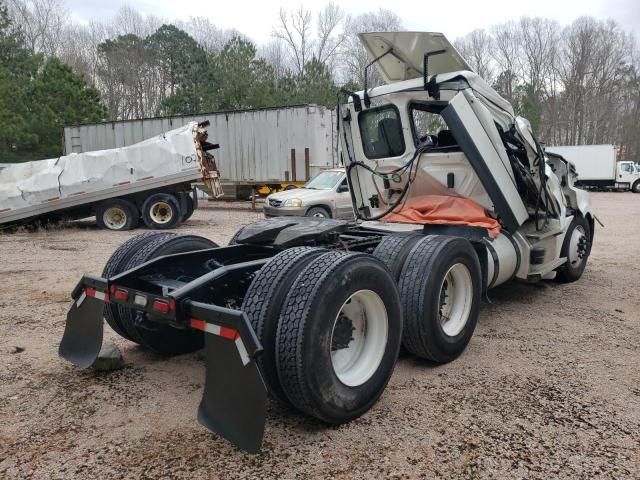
445, 210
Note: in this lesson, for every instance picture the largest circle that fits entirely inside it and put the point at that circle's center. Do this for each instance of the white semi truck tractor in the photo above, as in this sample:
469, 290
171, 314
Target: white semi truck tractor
453, 196
597, 167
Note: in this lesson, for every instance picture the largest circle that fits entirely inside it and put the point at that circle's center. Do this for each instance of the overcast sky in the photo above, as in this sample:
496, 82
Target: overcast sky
257, 19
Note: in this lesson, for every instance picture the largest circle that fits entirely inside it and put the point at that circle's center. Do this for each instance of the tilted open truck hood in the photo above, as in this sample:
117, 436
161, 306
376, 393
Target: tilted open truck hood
406, 60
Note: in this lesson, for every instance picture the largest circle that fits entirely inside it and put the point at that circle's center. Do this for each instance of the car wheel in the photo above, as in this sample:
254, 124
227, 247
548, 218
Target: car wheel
318, 212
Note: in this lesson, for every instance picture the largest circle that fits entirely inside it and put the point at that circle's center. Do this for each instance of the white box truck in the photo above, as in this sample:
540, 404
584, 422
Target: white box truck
598, 169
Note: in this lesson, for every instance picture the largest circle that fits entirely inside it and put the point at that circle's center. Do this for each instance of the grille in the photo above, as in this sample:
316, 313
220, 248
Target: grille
274, 203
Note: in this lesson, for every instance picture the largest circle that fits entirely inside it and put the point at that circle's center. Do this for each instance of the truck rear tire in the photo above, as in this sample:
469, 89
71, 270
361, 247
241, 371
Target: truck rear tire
440, 288
263, 302
576, 248
117, 214
113, 267
161, 211
161, 338
393, 250
338, 336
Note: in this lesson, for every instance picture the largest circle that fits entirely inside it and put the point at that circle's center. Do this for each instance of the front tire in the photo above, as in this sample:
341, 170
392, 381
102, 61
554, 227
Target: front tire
636, 187
440, 287
576, 248
338, 336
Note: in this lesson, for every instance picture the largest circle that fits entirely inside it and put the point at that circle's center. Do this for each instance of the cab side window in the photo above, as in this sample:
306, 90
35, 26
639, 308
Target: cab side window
381, 132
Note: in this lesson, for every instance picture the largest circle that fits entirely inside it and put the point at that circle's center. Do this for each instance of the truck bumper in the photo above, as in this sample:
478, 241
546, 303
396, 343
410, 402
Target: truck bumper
234, 400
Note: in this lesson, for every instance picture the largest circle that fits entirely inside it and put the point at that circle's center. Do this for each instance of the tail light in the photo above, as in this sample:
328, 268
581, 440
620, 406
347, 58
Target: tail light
163, 306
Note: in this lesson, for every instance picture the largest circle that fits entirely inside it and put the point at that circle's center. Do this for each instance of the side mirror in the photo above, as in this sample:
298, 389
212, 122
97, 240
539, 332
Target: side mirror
343, 188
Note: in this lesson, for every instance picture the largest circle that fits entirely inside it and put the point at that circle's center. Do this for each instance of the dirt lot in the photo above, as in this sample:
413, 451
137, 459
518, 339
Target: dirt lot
549, 387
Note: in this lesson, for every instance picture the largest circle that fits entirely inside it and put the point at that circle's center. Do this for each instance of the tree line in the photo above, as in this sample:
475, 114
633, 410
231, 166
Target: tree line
577, 85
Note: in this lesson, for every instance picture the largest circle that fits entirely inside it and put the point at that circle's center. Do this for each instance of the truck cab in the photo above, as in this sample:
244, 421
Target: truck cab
627, 174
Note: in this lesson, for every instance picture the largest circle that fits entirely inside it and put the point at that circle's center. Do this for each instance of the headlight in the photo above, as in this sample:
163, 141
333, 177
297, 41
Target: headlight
292, 202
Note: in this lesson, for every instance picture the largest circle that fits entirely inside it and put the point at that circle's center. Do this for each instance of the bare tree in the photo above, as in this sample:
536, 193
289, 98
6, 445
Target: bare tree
329, 39
210, 37
505, 53
353, 56
41, 23
476, 48
295, 32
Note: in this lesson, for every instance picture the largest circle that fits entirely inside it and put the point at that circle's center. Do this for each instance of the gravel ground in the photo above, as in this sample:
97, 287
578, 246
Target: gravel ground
548, 388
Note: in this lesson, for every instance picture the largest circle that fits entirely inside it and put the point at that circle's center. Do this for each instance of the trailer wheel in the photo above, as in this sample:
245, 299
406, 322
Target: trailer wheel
338, 336
117, 214
114, 266
576, 248
161, 211
263, 302
440, 287
393, 250
161, 338
191, 207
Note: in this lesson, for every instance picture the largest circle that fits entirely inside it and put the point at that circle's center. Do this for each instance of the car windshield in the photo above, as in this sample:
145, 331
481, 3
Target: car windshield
324, 181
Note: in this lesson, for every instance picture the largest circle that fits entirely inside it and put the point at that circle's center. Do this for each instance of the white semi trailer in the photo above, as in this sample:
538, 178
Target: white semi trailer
150, 181
260, 149
598, 168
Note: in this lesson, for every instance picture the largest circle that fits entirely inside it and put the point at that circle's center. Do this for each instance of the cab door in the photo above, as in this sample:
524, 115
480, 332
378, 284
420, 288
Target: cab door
626, 173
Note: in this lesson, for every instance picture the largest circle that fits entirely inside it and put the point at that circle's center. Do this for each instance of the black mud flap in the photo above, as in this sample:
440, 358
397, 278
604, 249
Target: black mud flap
234, 401
82, 337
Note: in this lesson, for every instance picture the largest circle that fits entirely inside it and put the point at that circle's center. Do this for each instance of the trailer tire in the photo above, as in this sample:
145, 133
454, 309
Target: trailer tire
336, 291
636, 187
161, 211
440, 272
394, 249
576, 248
263, 302
117, 214
161, 338
191, 207
114, 266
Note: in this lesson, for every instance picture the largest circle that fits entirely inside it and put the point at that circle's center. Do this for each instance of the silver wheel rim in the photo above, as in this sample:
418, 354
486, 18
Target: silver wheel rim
319, 214
161, 212
114, 218
456, 298
359, 338
577, 246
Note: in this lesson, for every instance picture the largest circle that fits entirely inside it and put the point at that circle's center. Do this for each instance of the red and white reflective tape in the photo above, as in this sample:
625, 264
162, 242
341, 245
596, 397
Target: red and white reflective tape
225, 332
92, 292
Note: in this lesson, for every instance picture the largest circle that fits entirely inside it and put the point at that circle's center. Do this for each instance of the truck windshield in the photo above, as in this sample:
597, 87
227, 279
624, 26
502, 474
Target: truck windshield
324, 181
381, 132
